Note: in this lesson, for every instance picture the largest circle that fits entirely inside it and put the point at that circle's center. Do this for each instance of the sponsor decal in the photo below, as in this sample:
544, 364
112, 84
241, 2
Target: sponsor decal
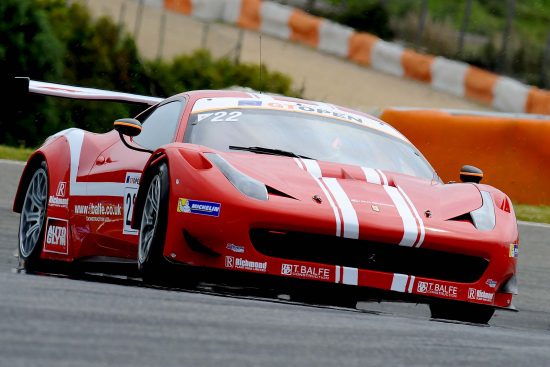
491, 283
375, 208
305, 271
243, 264
132, 178
480, 295
317, 110
204, 105
61, 189
514, 250
229, 261
199, 207
56, 237
59, 200
99, 212
235, 248
437, 289
249, 102
131, 186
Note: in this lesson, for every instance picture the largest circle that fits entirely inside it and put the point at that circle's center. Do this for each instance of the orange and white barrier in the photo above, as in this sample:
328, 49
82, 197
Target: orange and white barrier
511, 149
289, 23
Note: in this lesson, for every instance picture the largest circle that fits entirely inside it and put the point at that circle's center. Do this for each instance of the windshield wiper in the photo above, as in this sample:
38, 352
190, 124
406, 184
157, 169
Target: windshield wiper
262, 150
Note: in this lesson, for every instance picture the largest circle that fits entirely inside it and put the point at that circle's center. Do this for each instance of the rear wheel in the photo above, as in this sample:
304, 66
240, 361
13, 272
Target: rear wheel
151, 262
33, 218
466, 312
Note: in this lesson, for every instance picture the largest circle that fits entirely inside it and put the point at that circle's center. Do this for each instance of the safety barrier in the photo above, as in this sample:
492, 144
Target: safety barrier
450, 76
512, 150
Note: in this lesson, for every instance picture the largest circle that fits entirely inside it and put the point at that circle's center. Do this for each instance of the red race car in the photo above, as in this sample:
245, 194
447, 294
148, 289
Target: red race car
274, 186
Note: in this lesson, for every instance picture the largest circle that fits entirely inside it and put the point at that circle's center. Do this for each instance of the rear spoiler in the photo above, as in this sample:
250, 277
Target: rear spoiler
25, 85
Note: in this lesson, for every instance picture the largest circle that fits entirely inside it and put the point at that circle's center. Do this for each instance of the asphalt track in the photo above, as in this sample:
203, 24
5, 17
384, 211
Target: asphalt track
107, 321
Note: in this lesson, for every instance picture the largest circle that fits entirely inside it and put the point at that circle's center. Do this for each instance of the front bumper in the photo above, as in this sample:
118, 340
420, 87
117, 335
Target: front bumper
450, 267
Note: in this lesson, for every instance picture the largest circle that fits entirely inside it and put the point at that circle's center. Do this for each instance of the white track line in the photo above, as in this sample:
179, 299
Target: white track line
16, 163
533, 224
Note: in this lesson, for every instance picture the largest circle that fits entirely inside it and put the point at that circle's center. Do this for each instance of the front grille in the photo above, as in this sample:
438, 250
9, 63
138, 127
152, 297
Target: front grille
368, 255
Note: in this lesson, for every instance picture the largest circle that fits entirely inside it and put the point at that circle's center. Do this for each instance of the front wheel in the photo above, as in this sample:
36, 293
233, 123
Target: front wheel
151, 262
33, 217
466, 312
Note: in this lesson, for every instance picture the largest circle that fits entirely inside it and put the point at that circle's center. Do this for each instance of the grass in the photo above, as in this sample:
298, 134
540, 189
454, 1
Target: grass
16, 154
533, 213
529, 213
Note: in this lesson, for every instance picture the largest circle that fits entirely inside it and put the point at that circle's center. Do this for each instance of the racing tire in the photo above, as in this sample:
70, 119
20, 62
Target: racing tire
465, 312
32, 221
152, 265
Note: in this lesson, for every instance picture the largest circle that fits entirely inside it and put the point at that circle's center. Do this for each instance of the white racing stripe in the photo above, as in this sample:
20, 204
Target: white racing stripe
348, 221
384, 178
349, 215
315, 171
371, 175
411, 284
400, 281
417, 216
410, 228
75, 137
299, 163
351, 276
313, 167
412, 222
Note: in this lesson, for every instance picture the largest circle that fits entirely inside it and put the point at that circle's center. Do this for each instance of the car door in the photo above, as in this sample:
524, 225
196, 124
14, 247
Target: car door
110, 230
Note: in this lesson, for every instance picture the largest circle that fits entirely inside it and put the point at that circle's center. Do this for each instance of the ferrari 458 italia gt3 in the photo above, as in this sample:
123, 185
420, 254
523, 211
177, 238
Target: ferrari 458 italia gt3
273, 186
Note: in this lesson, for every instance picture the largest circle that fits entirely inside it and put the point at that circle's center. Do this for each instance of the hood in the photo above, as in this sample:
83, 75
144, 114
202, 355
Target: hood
362, 202
300, 178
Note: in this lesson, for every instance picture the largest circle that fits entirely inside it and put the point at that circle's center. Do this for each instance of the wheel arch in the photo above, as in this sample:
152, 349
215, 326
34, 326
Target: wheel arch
56, 154
157, 158
32, 164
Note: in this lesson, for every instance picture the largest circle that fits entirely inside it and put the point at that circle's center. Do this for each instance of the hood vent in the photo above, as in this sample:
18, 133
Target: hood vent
463, 218
275, 192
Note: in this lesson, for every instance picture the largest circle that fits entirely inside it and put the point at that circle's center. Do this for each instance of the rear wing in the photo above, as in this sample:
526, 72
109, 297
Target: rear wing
25, 85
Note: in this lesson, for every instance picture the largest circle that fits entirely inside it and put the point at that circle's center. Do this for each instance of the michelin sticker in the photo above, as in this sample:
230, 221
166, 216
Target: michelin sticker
514, 250
199, 207
235, 248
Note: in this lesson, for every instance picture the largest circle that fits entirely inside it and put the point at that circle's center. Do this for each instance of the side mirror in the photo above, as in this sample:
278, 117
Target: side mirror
130, 127
470, 174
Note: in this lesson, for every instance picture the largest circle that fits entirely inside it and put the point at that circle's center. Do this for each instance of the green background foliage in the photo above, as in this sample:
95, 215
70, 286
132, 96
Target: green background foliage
49, 40
399, 19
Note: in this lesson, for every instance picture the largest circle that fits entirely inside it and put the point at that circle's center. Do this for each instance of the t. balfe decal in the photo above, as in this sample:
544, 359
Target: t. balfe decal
437, 289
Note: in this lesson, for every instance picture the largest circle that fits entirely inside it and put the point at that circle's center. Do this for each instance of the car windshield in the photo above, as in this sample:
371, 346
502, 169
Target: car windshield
301, 134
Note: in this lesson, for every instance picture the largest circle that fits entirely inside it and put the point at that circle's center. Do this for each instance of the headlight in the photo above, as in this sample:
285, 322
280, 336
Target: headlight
484, 217
245, 184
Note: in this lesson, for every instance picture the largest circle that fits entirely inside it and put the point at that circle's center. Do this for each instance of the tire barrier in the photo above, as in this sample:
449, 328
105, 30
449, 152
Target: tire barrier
285, 22
513, 150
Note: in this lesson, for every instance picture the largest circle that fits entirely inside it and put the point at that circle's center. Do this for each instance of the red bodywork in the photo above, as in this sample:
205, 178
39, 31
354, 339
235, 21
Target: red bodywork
303, 231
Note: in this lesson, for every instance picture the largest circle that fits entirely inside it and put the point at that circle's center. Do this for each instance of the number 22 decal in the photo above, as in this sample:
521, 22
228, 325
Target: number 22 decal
129, 202
131, 187
227, 116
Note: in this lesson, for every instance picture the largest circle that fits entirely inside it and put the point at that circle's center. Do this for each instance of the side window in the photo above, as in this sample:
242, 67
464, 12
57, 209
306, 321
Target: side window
160, 126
